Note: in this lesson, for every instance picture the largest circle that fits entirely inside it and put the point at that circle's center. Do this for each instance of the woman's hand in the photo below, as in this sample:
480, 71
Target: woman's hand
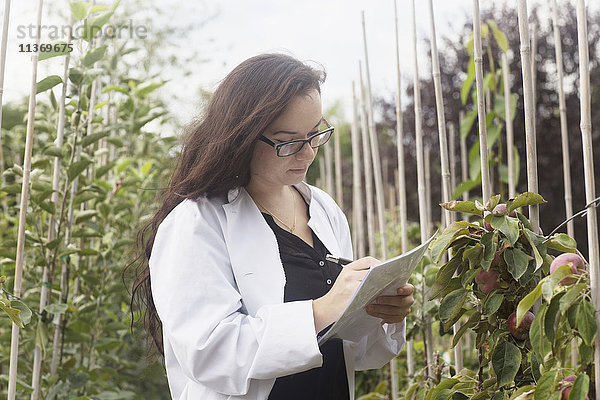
329, 308
393, 309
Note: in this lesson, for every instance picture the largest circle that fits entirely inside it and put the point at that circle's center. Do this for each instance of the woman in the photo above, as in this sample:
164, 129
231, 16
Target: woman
236, 285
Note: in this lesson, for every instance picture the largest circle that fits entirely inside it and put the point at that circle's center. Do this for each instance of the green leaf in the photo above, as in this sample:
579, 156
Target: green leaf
79, 9
63, 49
527, 302
436, 393
462, 206
75, 76
466, 186
77, 168
94, 55
586, 325
54, 151
506, 361
563, 243
507, 225
48, 83
441, 243
493, 302
517, 262
551, 314
500, 38
473, 255
571, 296
471, 322
467, 123
545, 385
452, 304
93, 25
56, 308
489, 241
500, 396
580, 387
13, 313
531, 237
93, 138
144, 90
468, 83
536, 331
524, 199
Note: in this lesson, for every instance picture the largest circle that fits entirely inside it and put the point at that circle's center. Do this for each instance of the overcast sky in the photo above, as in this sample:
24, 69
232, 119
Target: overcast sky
328, 32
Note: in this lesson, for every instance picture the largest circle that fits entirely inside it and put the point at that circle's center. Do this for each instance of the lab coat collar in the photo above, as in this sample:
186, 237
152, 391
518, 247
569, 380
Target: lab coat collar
256, 252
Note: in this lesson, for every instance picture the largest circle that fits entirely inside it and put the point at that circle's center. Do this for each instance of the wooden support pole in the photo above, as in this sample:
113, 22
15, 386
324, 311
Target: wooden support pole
357, 203
588, 166
530, 145
478, 58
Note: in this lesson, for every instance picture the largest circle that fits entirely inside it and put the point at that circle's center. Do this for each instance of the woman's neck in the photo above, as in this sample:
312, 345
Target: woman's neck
269, 194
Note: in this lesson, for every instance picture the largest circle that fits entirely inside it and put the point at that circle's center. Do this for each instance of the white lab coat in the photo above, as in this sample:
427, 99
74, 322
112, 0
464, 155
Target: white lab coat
217, 284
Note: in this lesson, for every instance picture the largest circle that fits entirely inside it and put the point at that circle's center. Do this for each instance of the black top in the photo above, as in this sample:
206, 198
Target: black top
310, 276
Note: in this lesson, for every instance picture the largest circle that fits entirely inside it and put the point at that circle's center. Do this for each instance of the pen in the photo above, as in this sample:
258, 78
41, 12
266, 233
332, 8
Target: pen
338, 260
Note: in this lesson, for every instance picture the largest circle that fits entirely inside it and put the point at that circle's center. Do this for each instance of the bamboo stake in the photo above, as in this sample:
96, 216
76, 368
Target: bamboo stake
402, 174
532, 181
367, 163
379, 194
452, 154
47, 275
509, 128
563, 123
322, 179
446, 176
421, 186
357, 203
478, 58
565, 142
534, 70
2, 65
328, 170
464, 160
588, 163
14, 346
427, 163
338, 170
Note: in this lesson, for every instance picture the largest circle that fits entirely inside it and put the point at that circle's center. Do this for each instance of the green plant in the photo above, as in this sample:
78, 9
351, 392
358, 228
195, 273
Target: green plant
530, 362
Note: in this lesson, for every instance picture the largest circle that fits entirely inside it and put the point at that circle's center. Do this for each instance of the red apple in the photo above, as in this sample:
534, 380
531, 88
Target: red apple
501, 208
520, 332
571, 259
567, 388
487, 280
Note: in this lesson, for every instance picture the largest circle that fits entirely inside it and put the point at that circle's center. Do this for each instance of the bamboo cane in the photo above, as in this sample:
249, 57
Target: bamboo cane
322, 179
533, 26
452, 156
357, 203
14, 346
339, 195
446, 176
588, 162
402, 174
478, 58
509, 128
47, 274
421, 184
379, 194
427, 163
2, 65
563, 123
464, 160
565, 141
329, 170
532, 181
367, 164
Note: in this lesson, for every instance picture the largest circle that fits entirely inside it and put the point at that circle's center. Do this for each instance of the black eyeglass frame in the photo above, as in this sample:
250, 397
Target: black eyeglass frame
278, 146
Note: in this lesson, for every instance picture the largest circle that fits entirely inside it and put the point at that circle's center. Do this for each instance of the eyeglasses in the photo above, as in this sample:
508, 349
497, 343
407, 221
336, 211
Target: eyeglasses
293, 146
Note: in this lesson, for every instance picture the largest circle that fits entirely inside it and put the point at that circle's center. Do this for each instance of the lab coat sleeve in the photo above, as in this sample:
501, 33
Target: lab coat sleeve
196, 297
383, 344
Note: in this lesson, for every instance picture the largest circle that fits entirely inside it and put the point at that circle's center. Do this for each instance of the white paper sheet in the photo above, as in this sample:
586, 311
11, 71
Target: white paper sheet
382, 279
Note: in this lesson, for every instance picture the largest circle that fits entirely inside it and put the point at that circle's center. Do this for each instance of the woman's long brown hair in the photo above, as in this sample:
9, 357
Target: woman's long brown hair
216, 152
